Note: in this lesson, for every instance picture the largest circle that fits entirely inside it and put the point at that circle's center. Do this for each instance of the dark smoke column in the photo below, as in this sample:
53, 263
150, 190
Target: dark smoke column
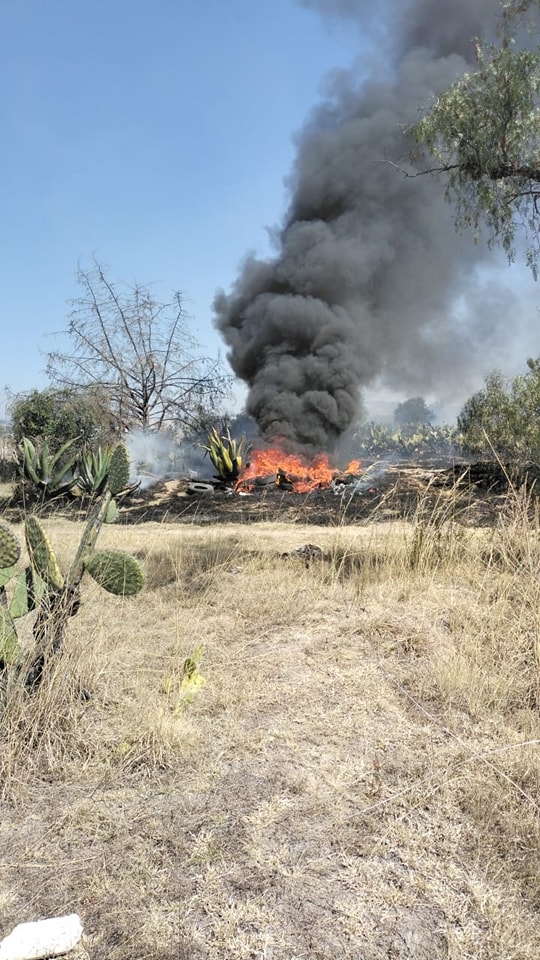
300, 352
368, 264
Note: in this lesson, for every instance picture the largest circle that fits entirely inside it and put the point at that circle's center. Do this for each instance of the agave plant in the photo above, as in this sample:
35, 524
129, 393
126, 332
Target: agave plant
226, 454
50, 473
92, 472
42, 585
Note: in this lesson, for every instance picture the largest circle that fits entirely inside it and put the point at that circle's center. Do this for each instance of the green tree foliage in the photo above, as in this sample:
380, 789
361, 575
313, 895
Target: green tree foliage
61, 415
483, 134
503, 419
413, 412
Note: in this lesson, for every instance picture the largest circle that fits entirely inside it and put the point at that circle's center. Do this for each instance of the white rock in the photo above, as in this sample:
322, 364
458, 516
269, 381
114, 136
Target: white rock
42, 938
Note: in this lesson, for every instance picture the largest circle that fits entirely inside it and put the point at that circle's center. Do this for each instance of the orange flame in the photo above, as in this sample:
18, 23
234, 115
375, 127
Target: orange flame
302, 474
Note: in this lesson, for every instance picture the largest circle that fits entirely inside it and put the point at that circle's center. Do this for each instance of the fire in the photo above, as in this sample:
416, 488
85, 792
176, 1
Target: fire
292, 471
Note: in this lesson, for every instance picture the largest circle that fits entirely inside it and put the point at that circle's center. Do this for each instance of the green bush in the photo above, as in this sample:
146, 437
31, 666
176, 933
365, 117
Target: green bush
503, 419
60, 415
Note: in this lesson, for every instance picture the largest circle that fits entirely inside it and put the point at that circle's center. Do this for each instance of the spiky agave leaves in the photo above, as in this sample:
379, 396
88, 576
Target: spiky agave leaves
93, 468
49, 472
226, 454
42, 555
105, 468
42, 585
115, 571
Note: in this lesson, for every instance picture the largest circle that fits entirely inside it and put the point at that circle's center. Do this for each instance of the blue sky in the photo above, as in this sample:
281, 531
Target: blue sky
155, 134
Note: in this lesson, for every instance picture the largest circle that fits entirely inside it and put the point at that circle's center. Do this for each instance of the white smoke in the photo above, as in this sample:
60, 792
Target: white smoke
164, 456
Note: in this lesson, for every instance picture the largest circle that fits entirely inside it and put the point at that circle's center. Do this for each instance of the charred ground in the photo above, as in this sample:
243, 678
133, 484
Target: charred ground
477, 491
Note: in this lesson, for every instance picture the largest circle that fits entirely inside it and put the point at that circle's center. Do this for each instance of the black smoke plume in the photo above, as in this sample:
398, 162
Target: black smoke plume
370, 279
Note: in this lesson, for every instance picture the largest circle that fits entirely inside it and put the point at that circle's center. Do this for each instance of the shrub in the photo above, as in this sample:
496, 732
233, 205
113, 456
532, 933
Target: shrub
60, 415
503, 419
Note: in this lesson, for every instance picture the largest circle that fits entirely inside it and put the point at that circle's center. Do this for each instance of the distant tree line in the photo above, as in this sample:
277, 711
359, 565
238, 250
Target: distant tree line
132, 363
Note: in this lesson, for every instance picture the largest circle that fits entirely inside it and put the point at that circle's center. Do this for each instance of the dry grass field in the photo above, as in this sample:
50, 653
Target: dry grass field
357, 779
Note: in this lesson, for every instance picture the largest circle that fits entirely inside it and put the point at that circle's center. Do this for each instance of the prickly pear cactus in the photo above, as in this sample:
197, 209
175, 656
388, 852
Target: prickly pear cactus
115, 571
42, 555
9, 642
42, 587
6, 574
10, 549
27, 591
112, 512
119, 469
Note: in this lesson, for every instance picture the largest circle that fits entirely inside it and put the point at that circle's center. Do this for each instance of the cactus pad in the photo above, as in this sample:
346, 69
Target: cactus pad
10, 550
41, 553
9, 643
27, 592
6, 573
116, 572
119, 469
112, 512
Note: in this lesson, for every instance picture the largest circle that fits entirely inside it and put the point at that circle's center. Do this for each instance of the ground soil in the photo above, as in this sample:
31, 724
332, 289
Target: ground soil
478, 491
358, 777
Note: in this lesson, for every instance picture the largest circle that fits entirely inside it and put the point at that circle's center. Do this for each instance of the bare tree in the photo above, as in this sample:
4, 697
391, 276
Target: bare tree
140, 352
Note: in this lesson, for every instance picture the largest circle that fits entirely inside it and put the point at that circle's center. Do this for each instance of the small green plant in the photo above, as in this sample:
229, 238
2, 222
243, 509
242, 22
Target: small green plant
191, 682
51, 474
42, 585
226, 454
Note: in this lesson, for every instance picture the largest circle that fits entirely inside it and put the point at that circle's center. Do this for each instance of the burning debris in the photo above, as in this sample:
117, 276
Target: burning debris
294, 473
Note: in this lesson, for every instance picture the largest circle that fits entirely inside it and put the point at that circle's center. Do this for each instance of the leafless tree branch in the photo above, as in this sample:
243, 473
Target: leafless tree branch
140, 351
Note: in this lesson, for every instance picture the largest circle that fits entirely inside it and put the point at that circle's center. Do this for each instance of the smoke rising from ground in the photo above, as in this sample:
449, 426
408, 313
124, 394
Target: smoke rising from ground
160, 455
370, 279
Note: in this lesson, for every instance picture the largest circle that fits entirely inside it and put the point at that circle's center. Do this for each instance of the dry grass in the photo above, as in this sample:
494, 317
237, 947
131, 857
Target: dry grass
358, 778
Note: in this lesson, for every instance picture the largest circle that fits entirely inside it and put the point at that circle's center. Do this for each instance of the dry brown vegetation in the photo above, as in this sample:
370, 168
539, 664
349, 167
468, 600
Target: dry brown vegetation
358, 778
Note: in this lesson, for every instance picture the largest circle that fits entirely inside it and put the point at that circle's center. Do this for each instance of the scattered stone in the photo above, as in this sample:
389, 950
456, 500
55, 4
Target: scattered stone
42, 938
307, 553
